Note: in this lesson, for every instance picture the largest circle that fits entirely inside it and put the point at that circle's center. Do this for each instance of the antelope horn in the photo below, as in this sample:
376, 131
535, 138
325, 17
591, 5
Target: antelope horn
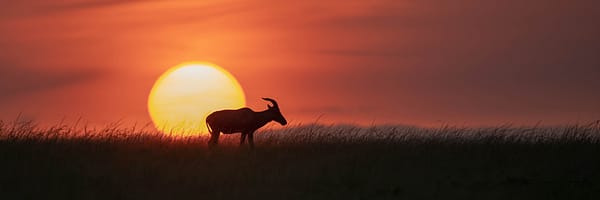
272, 101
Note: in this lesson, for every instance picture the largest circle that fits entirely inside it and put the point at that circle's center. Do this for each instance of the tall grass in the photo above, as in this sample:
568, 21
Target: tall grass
302, 162
587, 133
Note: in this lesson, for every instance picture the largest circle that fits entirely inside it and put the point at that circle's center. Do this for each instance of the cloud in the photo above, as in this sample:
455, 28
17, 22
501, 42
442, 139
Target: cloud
79, 4
28, 8
15, 81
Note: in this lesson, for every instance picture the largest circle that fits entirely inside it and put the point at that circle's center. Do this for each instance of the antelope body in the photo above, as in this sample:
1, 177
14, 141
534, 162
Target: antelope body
244, 121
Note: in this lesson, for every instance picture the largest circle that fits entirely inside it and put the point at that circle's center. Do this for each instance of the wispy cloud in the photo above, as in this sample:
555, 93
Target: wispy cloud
86, 4
35, 8
15, 81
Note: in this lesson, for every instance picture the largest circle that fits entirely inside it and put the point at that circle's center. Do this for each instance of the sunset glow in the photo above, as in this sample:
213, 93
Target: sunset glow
337, 99
184, 95
424, 63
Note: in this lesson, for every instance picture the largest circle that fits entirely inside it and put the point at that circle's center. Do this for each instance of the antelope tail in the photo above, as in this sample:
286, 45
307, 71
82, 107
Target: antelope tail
209, 129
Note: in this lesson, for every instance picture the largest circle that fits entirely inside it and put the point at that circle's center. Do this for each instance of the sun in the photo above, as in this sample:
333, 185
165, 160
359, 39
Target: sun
185, 95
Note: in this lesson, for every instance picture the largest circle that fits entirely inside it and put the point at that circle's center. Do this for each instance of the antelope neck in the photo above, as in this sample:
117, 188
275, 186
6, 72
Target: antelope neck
264, 117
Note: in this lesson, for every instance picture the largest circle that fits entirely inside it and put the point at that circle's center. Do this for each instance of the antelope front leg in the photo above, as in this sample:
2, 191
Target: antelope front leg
242, 139
251, 139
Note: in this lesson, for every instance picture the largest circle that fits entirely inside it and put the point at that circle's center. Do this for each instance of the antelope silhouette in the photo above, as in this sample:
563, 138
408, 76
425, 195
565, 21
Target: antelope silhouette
243, 120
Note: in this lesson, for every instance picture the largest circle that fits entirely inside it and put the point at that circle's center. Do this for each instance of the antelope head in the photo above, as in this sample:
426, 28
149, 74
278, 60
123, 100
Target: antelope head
275, 112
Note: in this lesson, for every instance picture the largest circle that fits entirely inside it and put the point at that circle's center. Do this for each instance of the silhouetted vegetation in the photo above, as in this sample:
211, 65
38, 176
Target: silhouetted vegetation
303, 162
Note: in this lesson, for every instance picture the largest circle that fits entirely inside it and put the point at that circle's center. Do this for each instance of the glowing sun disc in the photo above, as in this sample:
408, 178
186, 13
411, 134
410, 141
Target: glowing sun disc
185, 95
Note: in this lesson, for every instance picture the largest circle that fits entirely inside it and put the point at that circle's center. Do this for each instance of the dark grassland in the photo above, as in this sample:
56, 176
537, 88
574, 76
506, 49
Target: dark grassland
303, 162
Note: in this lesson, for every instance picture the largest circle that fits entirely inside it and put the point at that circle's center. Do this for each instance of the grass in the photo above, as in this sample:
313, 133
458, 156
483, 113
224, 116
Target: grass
303, 162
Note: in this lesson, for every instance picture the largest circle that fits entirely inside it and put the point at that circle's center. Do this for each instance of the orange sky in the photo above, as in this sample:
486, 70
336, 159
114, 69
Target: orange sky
412, 62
